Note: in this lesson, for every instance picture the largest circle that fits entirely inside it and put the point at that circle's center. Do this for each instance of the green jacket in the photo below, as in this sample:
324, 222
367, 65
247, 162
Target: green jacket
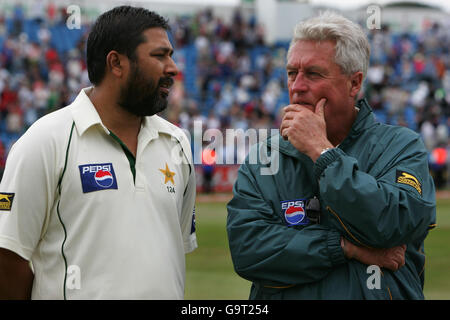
374, 189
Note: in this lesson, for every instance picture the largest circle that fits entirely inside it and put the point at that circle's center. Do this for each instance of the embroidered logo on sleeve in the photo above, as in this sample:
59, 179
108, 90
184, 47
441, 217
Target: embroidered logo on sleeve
294, 212
6, 200
408, 179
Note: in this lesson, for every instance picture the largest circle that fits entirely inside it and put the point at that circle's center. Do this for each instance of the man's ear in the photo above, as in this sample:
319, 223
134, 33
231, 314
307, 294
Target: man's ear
116, 63
356, 80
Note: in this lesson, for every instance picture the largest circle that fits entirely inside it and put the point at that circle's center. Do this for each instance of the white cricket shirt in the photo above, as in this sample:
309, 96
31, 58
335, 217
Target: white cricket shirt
72, 205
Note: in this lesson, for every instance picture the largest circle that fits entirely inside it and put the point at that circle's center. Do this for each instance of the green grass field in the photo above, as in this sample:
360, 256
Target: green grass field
210, 274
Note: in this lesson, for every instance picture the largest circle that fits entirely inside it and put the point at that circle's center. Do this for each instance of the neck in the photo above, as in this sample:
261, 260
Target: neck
337, 137
123, 124
113, 116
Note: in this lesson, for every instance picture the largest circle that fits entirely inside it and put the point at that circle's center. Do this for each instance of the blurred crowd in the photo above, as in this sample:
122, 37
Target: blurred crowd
408, 84
229, 78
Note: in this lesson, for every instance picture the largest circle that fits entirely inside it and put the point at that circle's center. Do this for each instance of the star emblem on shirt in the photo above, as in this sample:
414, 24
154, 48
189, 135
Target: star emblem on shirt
168, 175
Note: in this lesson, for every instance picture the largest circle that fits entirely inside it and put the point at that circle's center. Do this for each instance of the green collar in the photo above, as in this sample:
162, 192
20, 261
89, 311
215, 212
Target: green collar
128, 153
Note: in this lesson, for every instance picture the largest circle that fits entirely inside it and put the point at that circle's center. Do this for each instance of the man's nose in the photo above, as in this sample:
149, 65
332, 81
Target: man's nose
171, 68
299, 84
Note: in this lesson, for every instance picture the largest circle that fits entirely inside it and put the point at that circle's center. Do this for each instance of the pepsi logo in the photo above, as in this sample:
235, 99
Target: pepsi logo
104, 178
294, 212
294, 215
97, 176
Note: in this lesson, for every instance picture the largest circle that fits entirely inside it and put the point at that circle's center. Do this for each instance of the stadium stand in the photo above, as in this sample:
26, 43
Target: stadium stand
229, 77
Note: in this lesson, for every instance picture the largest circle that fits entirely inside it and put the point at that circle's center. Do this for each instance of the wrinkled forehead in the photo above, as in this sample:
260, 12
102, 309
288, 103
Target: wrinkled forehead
313, 42
310, 51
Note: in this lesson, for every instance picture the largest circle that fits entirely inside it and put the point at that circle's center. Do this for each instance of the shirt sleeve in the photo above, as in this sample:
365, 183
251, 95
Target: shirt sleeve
390, 208
188, 208
272, 254
29, 178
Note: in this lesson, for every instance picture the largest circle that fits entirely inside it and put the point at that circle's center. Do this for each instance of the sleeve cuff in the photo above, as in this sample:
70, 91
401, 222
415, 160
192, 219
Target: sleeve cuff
325, 160
335, 251
12, 245
191, 244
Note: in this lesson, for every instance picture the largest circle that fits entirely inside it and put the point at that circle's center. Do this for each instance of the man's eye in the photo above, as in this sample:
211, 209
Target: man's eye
160, 55
291, 73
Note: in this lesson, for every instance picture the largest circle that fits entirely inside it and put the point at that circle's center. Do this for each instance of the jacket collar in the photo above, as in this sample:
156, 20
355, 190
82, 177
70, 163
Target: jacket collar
365, 119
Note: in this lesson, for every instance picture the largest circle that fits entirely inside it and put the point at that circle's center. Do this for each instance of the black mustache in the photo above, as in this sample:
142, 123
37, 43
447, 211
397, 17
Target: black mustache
166, 81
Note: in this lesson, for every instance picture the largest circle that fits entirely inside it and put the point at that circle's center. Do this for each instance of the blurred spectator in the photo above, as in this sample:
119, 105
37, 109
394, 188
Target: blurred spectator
7, 98
438, 165
208, 165
2, 158
14, 119
37, 12
18, 19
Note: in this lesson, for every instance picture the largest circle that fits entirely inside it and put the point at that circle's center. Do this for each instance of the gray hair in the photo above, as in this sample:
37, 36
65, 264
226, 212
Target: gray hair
352, 47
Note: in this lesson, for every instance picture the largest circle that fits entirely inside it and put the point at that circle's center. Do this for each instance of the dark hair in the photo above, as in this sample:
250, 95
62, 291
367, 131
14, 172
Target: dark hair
119, 29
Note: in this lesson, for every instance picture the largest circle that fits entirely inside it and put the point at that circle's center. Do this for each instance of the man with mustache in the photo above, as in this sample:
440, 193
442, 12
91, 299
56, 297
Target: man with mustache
349, 192
101, 193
